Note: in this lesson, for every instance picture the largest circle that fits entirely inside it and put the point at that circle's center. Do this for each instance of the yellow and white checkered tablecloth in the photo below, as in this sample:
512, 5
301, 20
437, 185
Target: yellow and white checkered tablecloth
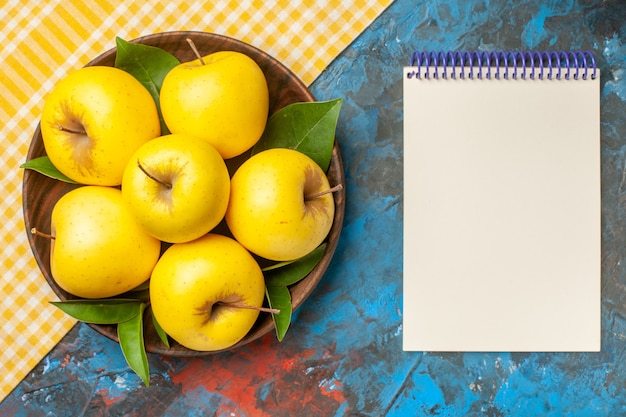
42, 41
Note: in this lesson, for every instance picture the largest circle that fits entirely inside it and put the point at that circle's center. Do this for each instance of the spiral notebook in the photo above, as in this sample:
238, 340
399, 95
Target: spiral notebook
502, 224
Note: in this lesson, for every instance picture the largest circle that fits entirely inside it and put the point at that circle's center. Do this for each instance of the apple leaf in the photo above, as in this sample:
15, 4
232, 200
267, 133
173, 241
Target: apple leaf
44, 166
107, 311
279, 297
308, 127
291, 272
130, 334
160, 332
149, 65
277, 279
140, 292
143, 286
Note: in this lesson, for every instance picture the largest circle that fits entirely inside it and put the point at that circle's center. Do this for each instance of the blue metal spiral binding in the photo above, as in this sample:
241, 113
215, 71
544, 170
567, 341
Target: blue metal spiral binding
532, 65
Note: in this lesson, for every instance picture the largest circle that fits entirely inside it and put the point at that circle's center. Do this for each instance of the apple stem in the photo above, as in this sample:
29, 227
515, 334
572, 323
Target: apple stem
152, 177
77, 132
262, 309
321, 193
41, 234
194, 49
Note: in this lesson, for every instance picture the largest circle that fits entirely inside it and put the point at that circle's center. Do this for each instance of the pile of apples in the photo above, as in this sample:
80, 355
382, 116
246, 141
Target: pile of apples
141, 188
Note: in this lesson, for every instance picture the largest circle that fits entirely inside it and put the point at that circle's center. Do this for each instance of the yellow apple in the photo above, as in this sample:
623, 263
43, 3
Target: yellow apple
93, 120
99, 250
176, 187
275, 210
222, 98
205, 294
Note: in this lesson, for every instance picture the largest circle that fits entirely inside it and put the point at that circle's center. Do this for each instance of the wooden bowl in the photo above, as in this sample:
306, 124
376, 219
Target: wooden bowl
40, 193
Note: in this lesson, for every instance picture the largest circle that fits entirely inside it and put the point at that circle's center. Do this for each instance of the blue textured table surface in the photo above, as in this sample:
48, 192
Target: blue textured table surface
343, 354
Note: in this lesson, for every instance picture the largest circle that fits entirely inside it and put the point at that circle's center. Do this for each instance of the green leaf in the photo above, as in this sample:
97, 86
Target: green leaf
138, 295
107, 311
140, 292
288, 273
278, 277
160, 332
44, 166
280, 298
308, 127
143, 286
130, 334
148, 64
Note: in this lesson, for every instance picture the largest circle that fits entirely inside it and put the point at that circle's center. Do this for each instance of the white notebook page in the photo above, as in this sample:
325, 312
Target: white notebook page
502, 225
